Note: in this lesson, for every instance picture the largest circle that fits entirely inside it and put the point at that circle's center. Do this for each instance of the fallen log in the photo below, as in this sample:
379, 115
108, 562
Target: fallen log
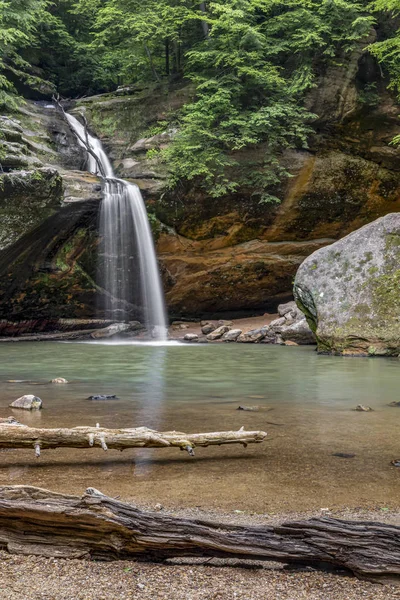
40, 522
17, 435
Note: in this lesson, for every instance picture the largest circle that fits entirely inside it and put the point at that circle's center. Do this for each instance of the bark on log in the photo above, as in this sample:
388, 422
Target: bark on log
39, 522
16, 435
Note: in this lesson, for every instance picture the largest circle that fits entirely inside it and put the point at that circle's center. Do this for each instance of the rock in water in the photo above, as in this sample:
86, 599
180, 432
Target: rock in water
110, 331
59, 380
103, 397
299, 333
349, 291
27, 402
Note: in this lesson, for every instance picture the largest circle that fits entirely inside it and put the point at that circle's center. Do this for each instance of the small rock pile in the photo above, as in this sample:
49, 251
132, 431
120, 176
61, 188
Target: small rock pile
290, 329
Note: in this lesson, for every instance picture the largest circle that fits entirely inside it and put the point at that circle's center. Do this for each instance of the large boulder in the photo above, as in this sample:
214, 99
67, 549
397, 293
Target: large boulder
27, 402
349, 291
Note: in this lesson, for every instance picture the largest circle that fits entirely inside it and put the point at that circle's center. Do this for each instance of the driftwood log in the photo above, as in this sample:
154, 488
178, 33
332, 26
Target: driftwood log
39, 522
16, 435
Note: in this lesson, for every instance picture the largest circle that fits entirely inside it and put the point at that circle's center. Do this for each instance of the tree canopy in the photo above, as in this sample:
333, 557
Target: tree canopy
251, 63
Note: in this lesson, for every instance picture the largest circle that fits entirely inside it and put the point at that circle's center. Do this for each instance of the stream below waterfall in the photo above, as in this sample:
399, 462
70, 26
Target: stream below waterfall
306, 405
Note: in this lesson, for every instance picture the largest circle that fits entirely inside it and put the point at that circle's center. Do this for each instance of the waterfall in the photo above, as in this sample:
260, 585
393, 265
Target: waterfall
126, 243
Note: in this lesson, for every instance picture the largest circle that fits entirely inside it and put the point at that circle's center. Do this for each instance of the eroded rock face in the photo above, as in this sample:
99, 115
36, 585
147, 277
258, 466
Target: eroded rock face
227, 255
350, 291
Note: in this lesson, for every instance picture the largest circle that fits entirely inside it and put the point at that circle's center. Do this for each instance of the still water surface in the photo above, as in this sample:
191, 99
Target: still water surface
305, 402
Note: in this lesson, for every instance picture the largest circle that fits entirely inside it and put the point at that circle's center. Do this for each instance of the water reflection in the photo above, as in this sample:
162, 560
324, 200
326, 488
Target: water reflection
198, 389
151, 411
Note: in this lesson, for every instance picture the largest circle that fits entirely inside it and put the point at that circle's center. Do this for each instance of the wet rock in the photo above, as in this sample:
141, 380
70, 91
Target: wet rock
249, 408
395, 463
27, 402
253, 336
232, 335
299, 332
349, 291
362, 408
208, 328
110, 331
103, 397
191, 337
394, 403
218, 333
59, 380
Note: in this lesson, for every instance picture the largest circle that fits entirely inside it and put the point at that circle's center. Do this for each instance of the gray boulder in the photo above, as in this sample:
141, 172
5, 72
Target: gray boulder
232, 335
349, 291
277, 324
298, 332
191, 337
283, 309
208, 328
27, 402
253, 336
218, 333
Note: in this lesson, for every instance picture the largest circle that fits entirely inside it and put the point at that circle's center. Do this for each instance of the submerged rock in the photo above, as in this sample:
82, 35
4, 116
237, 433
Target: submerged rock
350, 291
27, 402
362, 408
103, 397
59, 380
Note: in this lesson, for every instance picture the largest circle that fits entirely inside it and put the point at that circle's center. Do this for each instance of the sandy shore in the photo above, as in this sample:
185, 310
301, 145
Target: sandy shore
32, 578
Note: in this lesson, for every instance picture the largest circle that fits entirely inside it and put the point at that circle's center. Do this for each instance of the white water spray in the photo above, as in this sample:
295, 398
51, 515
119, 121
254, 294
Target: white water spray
126, 241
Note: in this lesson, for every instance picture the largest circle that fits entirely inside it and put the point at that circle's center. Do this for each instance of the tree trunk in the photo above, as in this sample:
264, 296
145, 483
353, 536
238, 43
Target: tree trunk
153, 69
167, 56
15, 435
204, 24
36, 521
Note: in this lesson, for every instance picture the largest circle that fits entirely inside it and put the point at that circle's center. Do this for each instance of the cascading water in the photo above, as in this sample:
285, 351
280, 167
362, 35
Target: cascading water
125, 233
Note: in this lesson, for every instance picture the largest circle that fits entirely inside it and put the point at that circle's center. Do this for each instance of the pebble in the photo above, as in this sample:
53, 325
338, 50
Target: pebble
39, 578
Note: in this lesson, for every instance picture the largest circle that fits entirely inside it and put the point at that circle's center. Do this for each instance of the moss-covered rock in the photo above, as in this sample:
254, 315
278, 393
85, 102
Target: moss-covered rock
26, 199
350, 291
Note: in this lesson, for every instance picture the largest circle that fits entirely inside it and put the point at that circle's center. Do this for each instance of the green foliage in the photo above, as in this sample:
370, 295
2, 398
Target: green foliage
251, 64
387, 51
251, 74
17, 27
